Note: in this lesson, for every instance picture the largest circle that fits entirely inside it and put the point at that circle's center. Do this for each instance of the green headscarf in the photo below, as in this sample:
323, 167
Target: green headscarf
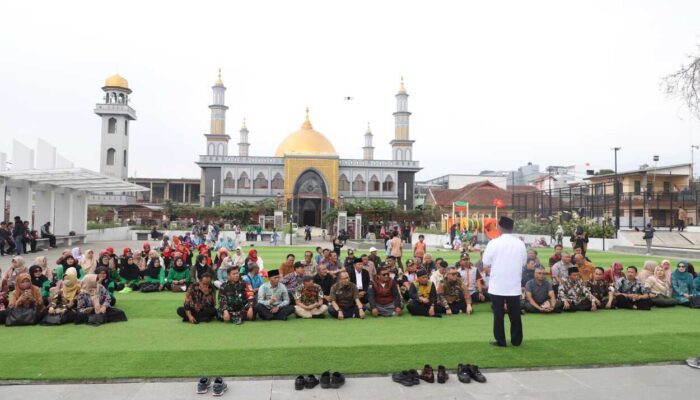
685, 277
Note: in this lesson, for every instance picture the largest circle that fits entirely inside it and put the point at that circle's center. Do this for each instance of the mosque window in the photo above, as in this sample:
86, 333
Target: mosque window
343, 183
374, 184
125, 159
260, 182
277, 182
110, 156
112, 125
243, 181
228, 181
359, 184
388, 185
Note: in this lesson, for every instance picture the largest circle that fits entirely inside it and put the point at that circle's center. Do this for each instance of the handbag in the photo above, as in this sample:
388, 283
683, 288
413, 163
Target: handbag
695, 302
96, 319
149, 287
54, 319
21, 316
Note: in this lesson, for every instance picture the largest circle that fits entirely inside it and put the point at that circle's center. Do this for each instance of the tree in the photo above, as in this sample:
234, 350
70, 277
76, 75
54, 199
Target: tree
605, 171
685, 84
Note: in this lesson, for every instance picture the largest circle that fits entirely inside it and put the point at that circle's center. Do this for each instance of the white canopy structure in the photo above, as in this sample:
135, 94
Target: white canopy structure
56, 192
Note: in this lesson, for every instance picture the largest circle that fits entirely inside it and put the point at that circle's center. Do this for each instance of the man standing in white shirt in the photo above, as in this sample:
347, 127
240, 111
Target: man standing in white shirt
506, 257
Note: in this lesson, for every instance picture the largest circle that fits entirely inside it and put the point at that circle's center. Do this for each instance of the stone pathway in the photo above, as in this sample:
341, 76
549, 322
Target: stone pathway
641, 382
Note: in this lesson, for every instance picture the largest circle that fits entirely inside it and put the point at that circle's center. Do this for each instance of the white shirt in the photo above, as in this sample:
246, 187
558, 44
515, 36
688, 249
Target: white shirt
358, 279
506, 255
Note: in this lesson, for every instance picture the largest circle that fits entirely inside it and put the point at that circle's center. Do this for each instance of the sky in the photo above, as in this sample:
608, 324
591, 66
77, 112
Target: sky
493, 85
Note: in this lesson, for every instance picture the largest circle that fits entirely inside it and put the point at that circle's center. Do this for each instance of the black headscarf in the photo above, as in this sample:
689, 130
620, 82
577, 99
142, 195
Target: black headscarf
104, 269
75, 265
176, 268
130, 272
38, 282
151, 270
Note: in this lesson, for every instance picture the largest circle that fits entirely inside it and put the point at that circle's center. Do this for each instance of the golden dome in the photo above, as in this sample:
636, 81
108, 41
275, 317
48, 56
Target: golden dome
117, 81
219, 82
402, 89
306, 141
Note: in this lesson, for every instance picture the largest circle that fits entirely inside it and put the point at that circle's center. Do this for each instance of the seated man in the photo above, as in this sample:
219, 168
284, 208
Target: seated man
273, 299
471, 277
428, 263
309, 299
574, 295
556, 257
600, 289
560, 270
585, 268
539, 296
345, 299
294, 280
310, 266
360, 277
325, 280
438, 276
630, 293
455, 295
200, 301
384, 296
404, 280
423, 297
233, 299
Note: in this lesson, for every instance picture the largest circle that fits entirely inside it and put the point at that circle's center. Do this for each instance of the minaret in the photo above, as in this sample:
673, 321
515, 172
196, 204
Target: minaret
402, 145
116, 114
368, 150
217, 139
243, 145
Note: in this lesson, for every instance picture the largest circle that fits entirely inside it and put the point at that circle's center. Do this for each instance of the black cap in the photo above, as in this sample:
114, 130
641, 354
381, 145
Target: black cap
421, 272
273, 273
573, 269
506, 223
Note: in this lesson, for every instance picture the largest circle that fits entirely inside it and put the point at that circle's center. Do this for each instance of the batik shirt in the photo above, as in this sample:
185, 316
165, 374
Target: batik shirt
344, 295
452, 292
292, 281
599, 289
233, 297
84, 302
197, 300
574, 292
309, 295
623, 285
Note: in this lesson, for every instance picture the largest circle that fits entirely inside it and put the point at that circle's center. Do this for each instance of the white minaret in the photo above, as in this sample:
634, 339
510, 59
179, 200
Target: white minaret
402, 145
217, 139
368, 149
243, 145
116, 114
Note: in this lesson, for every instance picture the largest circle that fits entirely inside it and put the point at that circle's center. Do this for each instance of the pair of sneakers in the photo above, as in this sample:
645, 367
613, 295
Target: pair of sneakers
409, 377
468, 372
219, 387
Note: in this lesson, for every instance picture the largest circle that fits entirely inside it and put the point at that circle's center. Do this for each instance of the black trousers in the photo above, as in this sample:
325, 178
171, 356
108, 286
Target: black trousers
204, 315
641, 304
32, 245
52, 239
516, 324
421, 309
111, 315
266, 314
583, 305
457, 306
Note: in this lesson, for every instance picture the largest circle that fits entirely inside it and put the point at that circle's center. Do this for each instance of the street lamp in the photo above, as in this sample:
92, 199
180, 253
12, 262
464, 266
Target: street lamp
692, 161
616, 189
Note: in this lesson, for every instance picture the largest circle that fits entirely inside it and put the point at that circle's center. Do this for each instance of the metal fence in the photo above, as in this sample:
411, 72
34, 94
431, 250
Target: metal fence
598, 202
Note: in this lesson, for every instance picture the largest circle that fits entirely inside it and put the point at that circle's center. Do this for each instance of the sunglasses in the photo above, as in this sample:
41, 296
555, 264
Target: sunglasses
384, 274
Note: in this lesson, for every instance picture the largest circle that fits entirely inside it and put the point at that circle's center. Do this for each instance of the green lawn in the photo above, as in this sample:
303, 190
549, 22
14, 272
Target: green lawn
154, 343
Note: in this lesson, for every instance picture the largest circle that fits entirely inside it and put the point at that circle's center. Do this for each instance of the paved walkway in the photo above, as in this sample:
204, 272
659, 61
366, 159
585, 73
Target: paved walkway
643, 382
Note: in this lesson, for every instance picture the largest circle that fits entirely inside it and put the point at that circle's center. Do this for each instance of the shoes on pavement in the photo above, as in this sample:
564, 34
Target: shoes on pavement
474, 373
428, 374
462, 374
337, 380
442, 376
310, 382
299, 383
326, 380
220, 387
693, 362
405, 378
203, 385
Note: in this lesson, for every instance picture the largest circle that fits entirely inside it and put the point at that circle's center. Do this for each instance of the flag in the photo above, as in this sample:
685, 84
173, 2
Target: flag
498, 203
459, 206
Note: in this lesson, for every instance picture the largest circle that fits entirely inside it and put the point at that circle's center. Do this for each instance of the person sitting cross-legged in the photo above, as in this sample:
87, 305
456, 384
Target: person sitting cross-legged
600, 288
539, 296
423, 297
308, 299
630, 292
200, 301
455, 296
683, 286
361, 278
234, 304
384, 295
659, 288
574, 294
345, 299
294, 280
273, 299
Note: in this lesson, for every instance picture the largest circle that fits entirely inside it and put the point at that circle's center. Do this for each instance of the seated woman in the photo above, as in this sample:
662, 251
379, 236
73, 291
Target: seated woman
63, 300
104, 279
25, 296
43, 262
69, 262
178, 276
95, 299
682, 284
200, 268
88, 263
234, 304
129, 274
41, 281
154, 277
200, 301
659, 288
253, 278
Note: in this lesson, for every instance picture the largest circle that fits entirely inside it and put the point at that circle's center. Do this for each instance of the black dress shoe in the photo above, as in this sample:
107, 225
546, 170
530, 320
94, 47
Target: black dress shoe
310, 382
326, 380
474, 373
337, 380
405, 378
428, 374
415, 376
442, 376
462, 374
299, 382
495, 343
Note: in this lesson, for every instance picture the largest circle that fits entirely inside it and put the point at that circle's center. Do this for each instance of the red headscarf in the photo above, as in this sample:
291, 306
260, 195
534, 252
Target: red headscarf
253, 255
126, 251
146, 247
110, 250
167, 252
203, 249
614, 272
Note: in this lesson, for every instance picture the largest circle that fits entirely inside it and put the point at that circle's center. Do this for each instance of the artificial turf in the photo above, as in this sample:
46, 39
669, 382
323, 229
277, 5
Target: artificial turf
155, 343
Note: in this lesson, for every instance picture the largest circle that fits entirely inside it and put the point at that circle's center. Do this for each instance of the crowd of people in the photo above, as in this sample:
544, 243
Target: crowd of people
221, 281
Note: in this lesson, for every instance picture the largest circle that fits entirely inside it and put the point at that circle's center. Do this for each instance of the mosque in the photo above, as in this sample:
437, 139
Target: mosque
306, 175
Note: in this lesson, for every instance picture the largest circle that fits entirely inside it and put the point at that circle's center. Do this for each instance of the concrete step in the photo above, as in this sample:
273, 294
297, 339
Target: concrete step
659, 251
